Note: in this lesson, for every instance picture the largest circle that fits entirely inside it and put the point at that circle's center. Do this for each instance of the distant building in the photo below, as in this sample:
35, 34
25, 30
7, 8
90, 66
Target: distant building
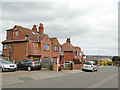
106, 60
97, 57
71, 53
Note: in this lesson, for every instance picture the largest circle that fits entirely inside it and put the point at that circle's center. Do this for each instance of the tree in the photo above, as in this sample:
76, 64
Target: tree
96, 61
116, 59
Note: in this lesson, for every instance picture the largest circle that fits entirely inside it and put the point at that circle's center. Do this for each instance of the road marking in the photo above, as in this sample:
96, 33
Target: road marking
101, 82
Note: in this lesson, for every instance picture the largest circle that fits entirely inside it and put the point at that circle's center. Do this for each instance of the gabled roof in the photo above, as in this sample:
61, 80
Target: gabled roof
77, 48
13, 41
53, 38
29, 32
106, 59
67, 47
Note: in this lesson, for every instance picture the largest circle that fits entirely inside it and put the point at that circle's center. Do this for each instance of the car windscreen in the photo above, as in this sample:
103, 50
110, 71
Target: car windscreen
36, 61
87, 63
7, 62
1, 61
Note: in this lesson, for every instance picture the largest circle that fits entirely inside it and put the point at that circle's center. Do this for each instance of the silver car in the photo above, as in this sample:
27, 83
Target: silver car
90, 65
7, 65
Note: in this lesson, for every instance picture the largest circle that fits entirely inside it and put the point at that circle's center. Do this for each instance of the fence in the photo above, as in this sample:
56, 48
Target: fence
46, 62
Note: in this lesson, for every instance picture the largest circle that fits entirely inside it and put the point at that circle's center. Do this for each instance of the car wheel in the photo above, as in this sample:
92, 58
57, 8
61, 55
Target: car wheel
93, 70
2, 70
18, 68
29, 68
39, 68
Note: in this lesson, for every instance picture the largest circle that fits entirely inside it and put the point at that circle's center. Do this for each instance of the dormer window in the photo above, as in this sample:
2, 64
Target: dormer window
16, 33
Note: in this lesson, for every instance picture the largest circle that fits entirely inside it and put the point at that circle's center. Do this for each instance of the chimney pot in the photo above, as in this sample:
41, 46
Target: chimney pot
41, 29
68, 40
34, 28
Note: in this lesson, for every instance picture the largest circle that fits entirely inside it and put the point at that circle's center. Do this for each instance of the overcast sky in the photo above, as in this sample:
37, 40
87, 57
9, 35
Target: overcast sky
91, 24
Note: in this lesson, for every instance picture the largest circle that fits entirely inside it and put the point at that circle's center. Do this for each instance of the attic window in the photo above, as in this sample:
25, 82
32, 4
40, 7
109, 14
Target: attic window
33, 33
16, 33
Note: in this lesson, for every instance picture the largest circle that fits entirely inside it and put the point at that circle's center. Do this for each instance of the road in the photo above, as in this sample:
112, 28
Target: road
105, 77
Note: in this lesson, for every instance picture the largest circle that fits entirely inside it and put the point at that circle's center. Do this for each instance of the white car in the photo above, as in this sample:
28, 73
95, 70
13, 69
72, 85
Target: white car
7, 65
90, 65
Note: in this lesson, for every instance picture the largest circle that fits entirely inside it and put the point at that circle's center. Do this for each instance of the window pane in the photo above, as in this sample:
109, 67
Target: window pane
5, 46
26, 37
55, 48
46, 47
34, 45
13, 33
16, 33
37, 46
9, 45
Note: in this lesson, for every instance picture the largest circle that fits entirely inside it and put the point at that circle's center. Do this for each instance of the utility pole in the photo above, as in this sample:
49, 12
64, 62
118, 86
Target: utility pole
99, 54
99, 57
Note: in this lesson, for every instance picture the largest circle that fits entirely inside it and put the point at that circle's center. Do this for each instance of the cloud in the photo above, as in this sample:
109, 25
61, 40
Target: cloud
91, 24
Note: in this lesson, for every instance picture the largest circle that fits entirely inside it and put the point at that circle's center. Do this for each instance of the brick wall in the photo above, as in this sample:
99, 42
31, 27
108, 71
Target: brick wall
54, 66
56, 54
46, 53
77, 66
68, 56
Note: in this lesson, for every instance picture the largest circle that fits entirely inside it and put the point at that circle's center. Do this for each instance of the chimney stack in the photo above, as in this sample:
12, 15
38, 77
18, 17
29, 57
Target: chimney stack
68, 40
41, 29
34, 28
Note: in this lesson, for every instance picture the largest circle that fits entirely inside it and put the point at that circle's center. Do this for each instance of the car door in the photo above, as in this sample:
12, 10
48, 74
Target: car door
95, 66
25, 64
20, 65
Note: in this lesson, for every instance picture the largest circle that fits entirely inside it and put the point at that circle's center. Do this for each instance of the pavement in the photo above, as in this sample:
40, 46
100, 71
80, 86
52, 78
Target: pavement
105, 77
23, 76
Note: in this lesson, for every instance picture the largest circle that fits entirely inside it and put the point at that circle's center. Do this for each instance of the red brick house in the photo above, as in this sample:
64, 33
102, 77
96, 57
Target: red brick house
55, 47
22, 43
71, 53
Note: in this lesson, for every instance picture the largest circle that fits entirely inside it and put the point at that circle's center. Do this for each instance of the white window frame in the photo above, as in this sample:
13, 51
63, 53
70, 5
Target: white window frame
16, 33
5, 46
46, 47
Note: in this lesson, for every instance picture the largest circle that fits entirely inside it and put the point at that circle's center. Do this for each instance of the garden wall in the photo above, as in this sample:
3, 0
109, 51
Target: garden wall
77, 66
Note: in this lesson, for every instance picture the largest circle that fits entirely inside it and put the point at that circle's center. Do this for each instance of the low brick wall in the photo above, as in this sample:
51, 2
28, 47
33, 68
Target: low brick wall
54, 66
77, 66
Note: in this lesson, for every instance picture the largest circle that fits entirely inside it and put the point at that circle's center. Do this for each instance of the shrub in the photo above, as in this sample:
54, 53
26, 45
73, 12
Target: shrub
96, 61
51, 67
65, 68
109, 63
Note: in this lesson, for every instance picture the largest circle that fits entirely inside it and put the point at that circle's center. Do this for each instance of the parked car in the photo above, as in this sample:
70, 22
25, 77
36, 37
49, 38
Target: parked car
29, 64
59, 67
90, 65
68, 65
7, 65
